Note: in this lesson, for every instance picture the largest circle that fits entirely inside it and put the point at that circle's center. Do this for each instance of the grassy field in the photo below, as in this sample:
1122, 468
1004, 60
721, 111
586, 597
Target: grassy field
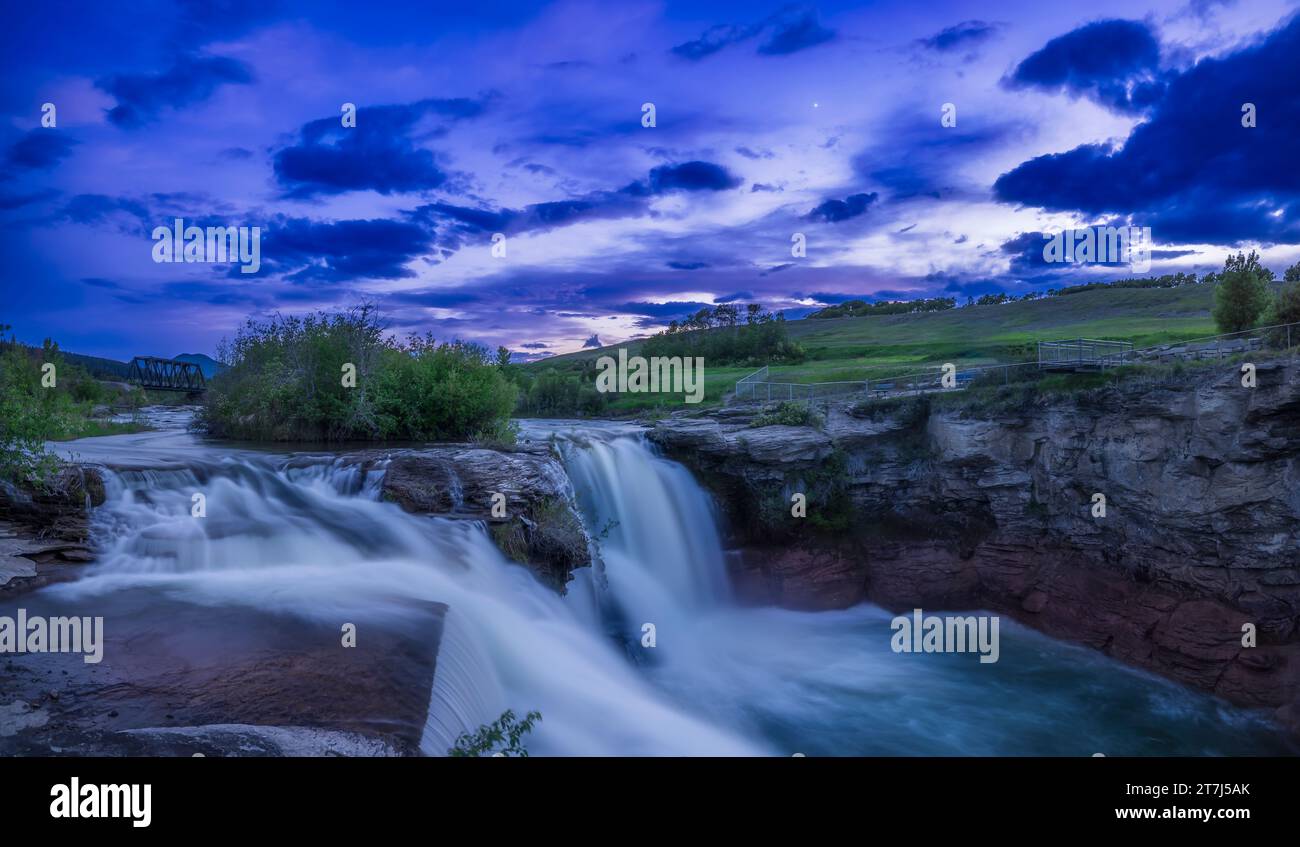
855, 348
717, 381
844, 349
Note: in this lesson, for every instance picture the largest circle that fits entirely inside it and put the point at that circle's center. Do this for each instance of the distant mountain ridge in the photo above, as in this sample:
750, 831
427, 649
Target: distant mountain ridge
111, 369
210, 366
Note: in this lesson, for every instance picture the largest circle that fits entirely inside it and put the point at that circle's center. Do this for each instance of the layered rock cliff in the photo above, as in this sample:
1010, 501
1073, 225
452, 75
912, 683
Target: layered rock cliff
523, 495
955, 504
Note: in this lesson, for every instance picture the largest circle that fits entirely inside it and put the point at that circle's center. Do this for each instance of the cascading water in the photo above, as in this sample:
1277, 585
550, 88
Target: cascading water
828, 683
309, 537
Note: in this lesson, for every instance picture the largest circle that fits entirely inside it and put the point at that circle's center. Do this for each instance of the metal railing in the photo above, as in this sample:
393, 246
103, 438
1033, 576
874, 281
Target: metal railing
1083, 353
750, 388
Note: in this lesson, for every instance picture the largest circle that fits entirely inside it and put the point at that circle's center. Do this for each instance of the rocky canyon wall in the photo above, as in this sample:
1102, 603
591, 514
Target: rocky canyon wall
965, 505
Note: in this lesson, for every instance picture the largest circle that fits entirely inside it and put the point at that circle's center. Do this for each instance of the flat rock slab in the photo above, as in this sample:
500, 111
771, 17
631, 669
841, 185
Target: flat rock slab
13, 562
222, 681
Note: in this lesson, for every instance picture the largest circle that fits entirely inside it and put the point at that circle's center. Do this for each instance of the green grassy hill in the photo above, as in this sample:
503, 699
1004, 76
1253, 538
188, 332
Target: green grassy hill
856, 348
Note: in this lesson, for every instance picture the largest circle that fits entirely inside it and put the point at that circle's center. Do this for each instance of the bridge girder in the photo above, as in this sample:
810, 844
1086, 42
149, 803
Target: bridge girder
166, 374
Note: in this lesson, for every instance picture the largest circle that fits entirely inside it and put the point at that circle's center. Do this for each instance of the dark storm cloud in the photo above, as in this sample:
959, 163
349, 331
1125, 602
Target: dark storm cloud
312, 251
99, 208
191, 79
40, 149
1113, 62
835, 211
690, 176
1026, 251
467, 222
19, 200
1192, 171
793, 28
958, 36
377, 154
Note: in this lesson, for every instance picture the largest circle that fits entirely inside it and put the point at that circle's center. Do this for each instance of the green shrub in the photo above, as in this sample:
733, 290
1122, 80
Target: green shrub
32, 413
500, 433
789, 413
1286, 308
285, 381
504, 736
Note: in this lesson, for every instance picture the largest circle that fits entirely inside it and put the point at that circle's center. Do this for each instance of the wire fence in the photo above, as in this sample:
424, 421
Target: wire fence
1087, 354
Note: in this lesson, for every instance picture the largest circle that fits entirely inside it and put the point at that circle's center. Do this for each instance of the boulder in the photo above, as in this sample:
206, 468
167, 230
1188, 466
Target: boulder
536, 524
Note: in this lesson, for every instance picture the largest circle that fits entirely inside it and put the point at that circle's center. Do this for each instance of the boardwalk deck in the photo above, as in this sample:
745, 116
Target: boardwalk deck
1083, 354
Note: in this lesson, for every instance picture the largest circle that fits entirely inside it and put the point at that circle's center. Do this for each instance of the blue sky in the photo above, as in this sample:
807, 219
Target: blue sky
526, 119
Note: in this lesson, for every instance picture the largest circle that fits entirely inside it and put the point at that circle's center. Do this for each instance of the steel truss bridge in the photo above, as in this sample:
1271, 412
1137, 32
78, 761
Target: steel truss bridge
166, 375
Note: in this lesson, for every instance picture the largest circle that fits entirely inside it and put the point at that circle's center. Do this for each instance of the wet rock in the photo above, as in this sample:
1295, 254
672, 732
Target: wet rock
993, 508
537, 525
43, 530
232, 681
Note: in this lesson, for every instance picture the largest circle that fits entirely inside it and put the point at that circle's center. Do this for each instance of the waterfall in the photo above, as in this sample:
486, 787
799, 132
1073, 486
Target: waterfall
308, 537
630, 498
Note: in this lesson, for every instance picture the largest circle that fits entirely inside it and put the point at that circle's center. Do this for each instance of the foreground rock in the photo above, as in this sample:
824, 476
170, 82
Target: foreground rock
932, 506
232, 681
536, 524
44, 532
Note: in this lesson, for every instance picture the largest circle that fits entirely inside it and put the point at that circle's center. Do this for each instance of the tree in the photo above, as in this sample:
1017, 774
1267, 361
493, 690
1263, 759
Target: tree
1286, 309
503, 356
1242, 294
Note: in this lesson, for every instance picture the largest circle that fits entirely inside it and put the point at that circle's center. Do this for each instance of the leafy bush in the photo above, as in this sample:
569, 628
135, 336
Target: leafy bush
441, 392
789, 413
32, 414
552, 392
29, 415
1286, 308
500, 433
504, 735
285, 381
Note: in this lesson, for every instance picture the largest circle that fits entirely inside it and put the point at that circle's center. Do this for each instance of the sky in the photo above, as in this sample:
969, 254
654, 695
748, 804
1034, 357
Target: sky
527, 123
